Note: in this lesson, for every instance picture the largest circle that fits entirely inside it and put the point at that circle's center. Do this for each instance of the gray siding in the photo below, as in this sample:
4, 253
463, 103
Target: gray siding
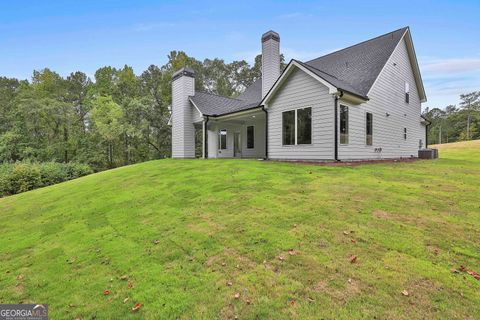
259, 139
387, 96
183, 131
196, 115
301, 90
270, 64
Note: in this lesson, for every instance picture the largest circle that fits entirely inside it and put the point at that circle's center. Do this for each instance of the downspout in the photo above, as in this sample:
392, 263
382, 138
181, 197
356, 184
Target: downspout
206, 137
266, 132
336, 127
426, 134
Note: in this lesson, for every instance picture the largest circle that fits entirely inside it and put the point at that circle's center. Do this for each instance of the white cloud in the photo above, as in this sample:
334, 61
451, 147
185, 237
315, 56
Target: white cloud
451, 66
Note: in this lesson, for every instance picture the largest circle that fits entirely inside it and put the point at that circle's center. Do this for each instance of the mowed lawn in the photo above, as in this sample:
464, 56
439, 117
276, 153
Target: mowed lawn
208, 239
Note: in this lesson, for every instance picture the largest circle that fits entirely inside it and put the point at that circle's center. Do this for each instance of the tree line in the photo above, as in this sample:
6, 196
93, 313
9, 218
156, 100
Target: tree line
115, 119
454, 123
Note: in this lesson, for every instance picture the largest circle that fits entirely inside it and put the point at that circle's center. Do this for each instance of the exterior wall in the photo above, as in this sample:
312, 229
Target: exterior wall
196, 115
270, 61
387, 96
259, 139
301, 90
183, 131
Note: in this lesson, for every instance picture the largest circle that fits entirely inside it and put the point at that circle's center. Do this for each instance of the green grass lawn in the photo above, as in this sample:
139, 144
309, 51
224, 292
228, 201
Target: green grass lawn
205, 239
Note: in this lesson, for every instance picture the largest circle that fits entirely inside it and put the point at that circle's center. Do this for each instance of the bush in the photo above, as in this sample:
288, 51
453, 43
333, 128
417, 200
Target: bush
24, 176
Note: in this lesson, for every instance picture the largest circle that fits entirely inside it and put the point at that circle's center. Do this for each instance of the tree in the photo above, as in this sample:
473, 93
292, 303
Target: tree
469, 102
108, 119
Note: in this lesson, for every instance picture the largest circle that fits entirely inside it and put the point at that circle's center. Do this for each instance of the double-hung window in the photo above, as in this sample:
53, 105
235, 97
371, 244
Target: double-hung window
343, 124
297, 126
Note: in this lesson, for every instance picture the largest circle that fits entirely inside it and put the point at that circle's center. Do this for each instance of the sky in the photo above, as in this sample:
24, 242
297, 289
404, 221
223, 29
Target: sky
68, 36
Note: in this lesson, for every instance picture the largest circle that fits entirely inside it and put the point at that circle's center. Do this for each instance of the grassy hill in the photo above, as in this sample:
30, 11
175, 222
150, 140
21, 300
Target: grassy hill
250, 239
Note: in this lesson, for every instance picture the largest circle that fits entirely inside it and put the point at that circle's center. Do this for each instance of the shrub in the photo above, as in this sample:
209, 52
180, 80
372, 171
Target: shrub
24, 176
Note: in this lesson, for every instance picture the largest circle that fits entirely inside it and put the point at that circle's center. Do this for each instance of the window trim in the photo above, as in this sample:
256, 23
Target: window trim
220, 139
366, 132
296, 127
253, 126
340, 122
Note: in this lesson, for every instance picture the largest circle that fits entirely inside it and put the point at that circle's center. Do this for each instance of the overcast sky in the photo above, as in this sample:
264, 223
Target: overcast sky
67, 36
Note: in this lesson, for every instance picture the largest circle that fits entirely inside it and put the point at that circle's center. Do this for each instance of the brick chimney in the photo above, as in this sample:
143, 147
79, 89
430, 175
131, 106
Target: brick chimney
183, 131
270, 60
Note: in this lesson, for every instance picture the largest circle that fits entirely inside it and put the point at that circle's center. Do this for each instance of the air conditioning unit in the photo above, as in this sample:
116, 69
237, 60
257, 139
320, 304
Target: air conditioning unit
428, 153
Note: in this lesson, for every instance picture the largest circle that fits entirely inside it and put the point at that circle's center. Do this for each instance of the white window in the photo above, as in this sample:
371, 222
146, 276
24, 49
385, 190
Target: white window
407, 92
369, 129
297, 126
222, 137
250, 137
343, 124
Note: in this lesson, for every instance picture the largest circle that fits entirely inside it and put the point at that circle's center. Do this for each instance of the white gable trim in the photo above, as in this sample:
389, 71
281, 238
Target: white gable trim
286, 73
413, 63
190, 99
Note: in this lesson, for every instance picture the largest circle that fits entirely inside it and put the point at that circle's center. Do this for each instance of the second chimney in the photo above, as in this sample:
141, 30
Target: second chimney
270, 60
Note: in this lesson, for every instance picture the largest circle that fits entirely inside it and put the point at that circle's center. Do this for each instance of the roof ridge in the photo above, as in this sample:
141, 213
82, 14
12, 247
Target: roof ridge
217, 95
357, 44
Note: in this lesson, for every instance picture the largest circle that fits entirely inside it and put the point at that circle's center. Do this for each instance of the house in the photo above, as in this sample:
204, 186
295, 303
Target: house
362, 102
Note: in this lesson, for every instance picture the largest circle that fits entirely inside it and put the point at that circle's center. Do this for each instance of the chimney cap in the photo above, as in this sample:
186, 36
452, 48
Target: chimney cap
270, 35
185, 71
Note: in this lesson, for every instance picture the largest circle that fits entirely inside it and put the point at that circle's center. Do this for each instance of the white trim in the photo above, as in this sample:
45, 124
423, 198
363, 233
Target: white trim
331, 89
348, 123
415, 67
246, 136
236, 114
190, 99
296, 127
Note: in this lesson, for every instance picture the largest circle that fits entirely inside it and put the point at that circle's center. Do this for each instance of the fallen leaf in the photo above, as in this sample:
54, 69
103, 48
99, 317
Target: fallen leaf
292, 252
124, 277
20, 277
453, 270
281, 258
293, 303
353, 259
463, 268
294, 225
346, 232
136, 307
474, 274
350, 281
125, 300
353, 241
229, 283
130, 284
110, 299
405, 293
156, 241
223, 264
106, 292
237, 295
248, 301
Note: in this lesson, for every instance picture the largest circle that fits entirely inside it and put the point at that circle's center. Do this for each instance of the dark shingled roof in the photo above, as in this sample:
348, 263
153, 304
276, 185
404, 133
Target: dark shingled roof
353, 69
358, 66
214, 105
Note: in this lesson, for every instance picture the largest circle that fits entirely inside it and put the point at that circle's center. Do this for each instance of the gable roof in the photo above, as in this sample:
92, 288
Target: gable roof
359, 65
353, 70
210, 104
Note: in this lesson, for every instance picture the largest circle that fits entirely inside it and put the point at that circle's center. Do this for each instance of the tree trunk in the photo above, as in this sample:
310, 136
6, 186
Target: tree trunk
65, 146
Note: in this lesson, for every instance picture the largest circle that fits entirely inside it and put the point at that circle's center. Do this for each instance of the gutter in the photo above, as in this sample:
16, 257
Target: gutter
266, 132
335, 154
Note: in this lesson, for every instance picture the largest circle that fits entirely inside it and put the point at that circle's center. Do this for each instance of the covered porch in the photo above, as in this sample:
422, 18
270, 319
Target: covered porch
237, 135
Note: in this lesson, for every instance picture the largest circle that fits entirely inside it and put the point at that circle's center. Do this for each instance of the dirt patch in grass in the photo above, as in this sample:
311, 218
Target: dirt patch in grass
339, 293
